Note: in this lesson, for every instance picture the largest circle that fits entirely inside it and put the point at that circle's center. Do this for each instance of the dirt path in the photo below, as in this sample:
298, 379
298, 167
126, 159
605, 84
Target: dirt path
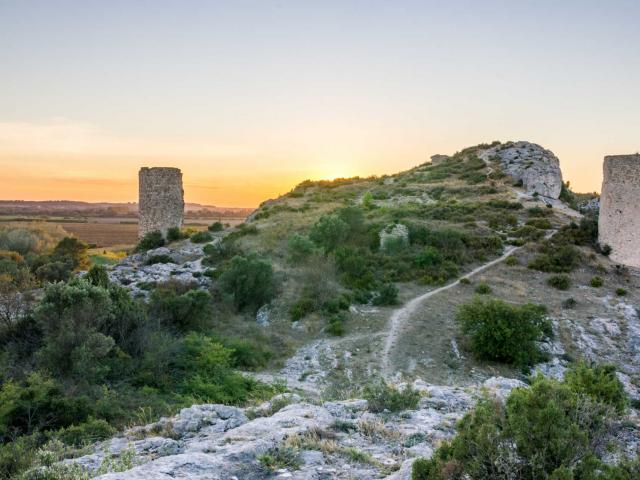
401, 315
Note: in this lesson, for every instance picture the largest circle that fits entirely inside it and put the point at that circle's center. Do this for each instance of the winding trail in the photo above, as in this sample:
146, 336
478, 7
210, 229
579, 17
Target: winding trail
402, 314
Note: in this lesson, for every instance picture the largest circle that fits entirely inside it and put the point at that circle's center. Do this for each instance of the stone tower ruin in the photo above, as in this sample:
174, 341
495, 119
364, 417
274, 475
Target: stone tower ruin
161, 200
619, 224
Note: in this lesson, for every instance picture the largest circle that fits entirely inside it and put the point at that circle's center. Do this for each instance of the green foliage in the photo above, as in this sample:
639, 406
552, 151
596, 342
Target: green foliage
599, 382
621, 292
302, 308
387, 295
249, 281
216, 227
53, 272
552, 430
596, 282
561, 282
280, 457
98, 276
176, 308
503, 332
384, 397
483, 289
174, 234
248, 354
329, 232
153, 259
71, 251
300, 248
556, 258
201, 237
336, 325
86, 433
541, 223
150, 241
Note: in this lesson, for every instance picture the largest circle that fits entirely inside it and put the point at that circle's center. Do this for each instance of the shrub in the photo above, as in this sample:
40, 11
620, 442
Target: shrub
569, 303
561, 282
150, 241
302, 308
336, 325
556, 259
483, 289
547, 431
381, 396
280, 457
98, 276
71, 251
86, 433
174, 234
329, 232
53, 272
596, 282
387, 295
215, 227
511, 261
176, 308
540, 223
503, 332
249, 281
598, 382
152, 260
621, 292
300, 248
248, 354
201, 237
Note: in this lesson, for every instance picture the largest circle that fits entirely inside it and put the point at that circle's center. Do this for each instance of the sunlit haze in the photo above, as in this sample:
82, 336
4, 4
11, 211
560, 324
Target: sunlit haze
249, 98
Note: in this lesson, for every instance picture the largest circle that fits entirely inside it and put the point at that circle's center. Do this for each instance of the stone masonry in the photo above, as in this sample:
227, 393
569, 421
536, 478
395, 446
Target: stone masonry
161, 199
619, 224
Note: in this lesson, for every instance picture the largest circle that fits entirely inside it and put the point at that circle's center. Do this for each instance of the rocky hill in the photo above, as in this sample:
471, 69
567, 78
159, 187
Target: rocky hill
371, 273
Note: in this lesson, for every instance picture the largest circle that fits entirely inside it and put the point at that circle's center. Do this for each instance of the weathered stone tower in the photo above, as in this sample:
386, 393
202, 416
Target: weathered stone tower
161, 199
619, 225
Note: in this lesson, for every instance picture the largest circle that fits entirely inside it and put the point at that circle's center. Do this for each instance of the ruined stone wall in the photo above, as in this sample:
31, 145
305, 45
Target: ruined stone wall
619, 225
161, 199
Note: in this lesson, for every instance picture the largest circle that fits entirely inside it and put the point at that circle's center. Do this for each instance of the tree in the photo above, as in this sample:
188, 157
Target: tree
98, 276
181, 310
249, 280
71, 251
300, 247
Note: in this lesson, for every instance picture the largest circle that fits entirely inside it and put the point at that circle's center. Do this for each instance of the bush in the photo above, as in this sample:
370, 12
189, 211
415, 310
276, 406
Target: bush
483, 289
561, 282
152, 260
569, 303
336, 325
174, 234
511, 261
300, 248
98, 276
621, 292
178, 309
598, 382
54, 272
150, 241
215, 227
596, 282
381, 396
503, 332
249, 281
556, 259
387, 295
540, 223
71, 251
302, 308
329, 232
547, 431
201, 237
86, 433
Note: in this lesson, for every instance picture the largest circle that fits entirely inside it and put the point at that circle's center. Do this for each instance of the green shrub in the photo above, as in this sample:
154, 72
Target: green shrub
556, 259
280, 457
150, 241
621, 292
598, 382
336, 325
54, 272
561, 282
548, 431
86, 433
596, 282
387, 295
201, 237
249, 281
71, 251
216, 227
329, 232
248, 354
98, 276
540, 223
381, 396
483, 289
569, 303
174, 234
512, 261
300, 248
302, 308
176, 308
152, 260
503, 332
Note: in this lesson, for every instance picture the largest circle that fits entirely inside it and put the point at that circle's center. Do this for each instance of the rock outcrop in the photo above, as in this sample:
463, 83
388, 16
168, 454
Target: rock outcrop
537, 168
619, 221
334, 440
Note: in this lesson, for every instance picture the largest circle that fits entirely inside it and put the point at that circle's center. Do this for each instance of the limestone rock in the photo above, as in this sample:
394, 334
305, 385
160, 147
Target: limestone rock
537, 168
438, 159
619, 221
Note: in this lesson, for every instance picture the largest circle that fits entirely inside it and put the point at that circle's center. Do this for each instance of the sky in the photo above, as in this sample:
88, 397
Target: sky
249, 98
